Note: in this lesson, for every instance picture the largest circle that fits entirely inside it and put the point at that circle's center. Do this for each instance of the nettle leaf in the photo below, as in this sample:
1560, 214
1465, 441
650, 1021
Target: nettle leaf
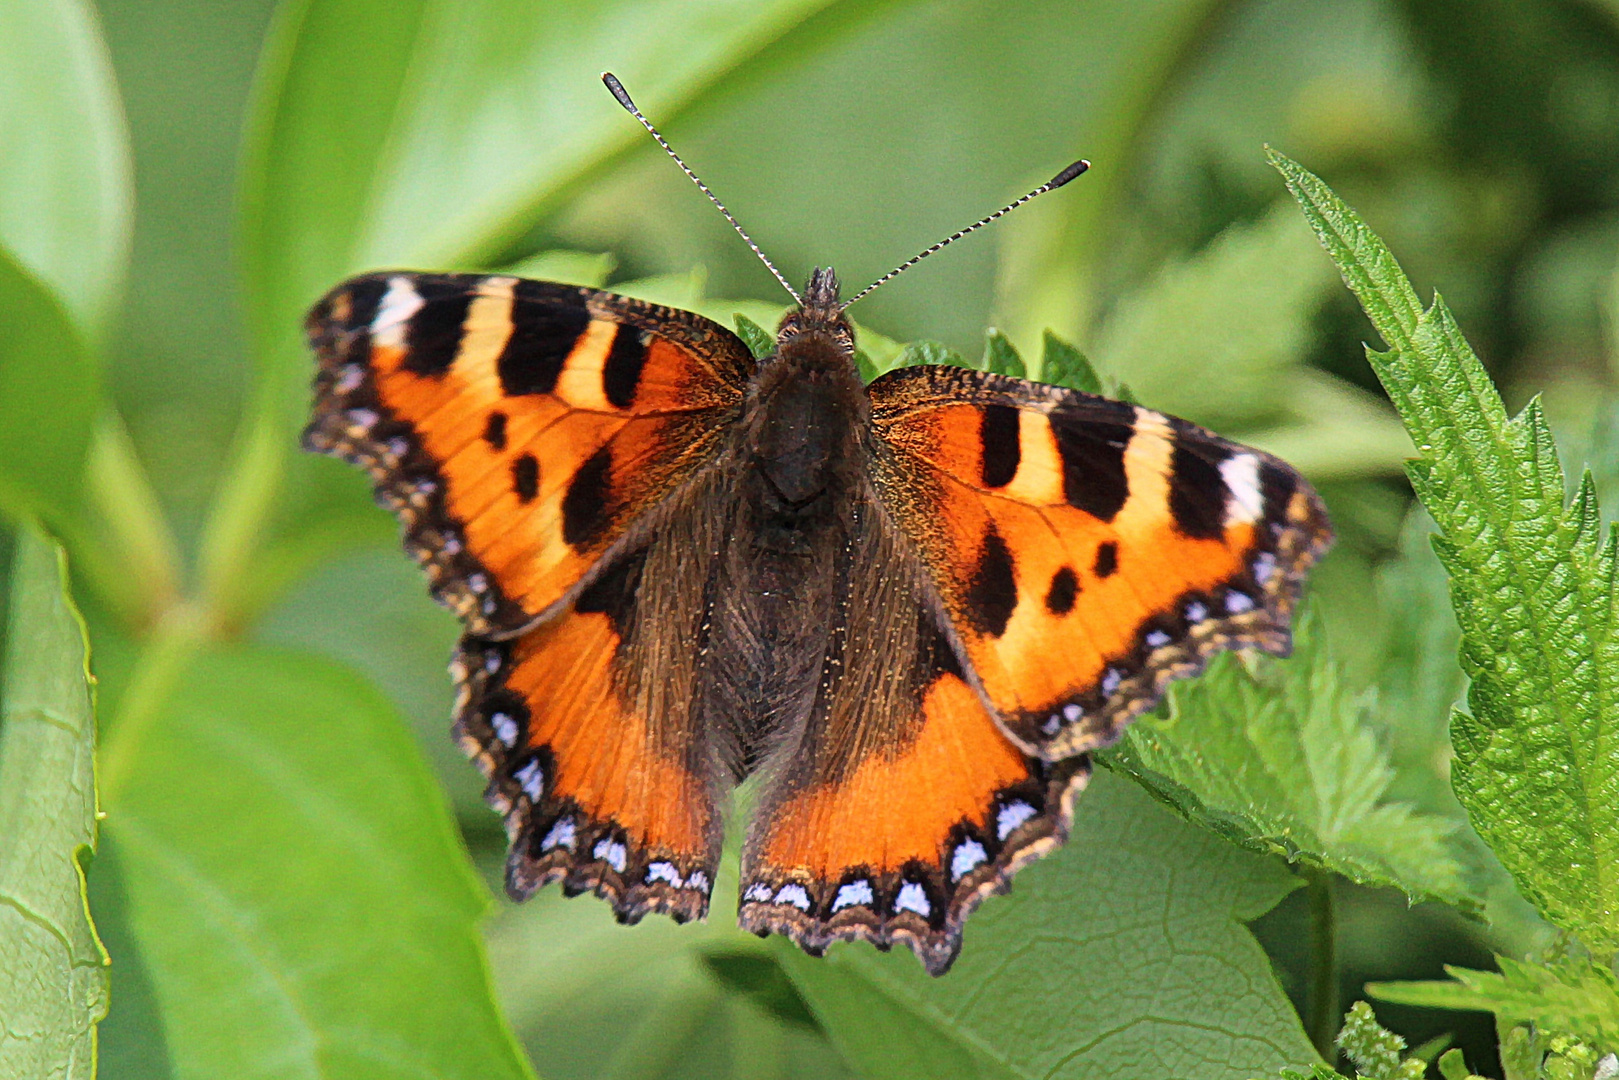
1533, 585
290, 881
1061, 364
1001, 356
53, 970
1574, 996
929, 352
758, 340
1282, 757
1123, 954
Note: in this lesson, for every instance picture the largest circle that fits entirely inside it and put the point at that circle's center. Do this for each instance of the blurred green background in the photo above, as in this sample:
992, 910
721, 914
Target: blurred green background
1480, 138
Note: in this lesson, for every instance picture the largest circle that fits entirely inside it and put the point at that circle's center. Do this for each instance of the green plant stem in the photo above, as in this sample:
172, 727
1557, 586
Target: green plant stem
162, 662
1321, 1024
138, 536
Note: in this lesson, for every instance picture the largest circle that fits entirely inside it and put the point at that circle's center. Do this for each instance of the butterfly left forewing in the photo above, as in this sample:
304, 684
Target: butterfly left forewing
1088, 551
520, 429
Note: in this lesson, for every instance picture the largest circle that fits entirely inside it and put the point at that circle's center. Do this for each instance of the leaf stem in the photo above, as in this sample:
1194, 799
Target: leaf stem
1321, 1024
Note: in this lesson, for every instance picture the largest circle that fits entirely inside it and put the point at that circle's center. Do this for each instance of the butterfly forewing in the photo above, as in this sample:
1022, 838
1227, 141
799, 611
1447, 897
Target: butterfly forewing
1088, 551
519, 428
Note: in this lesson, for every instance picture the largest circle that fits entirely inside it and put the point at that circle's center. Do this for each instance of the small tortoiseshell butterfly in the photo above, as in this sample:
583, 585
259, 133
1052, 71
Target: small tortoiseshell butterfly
912, 609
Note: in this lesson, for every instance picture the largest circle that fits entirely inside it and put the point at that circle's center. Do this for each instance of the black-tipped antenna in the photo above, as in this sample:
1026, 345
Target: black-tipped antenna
1050, 185
623, 97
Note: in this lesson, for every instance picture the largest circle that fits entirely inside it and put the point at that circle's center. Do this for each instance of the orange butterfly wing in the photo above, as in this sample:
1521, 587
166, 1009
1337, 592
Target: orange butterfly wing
1088, 551
518, 427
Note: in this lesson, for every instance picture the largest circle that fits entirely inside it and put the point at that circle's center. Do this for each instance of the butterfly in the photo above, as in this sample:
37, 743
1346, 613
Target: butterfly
910, 610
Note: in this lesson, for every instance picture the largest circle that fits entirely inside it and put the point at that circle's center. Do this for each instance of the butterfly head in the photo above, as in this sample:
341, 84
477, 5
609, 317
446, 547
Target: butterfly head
818, 316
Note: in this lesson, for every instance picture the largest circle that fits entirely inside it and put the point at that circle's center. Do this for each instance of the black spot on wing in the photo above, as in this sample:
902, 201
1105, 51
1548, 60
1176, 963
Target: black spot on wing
1107, 559
1197, 494
1092, 451
526, 478
621, 373
992, 593
1064, 588
544, 331
494, 432
433, 334
998, 434
613, 594
585, 506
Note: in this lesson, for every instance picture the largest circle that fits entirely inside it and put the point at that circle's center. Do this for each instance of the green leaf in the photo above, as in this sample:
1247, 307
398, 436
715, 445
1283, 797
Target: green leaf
758, 339
929, 352
1001, 357
1176, 339
701, 1000
295, 889
568, 267
45, 371
53, 970
1061, 364
1282, 757
66, 183
406, 134
1123, 954
1572, 995
1533, 585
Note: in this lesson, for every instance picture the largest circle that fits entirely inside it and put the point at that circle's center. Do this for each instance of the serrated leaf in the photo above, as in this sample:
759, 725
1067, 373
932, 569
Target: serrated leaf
1061, 364
1122, 955
53, 970
292, 883
1282, 757
1001, 357
1537, 756
1573, 996
756, 337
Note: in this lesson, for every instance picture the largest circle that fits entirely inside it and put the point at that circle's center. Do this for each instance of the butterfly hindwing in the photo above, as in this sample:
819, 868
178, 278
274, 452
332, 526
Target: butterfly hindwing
588, 727
1087, 551
900, 804
519, 428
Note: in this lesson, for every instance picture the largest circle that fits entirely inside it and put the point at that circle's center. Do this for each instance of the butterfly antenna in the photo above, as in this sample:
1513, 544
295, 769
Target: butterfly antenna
1050, 185
623, 97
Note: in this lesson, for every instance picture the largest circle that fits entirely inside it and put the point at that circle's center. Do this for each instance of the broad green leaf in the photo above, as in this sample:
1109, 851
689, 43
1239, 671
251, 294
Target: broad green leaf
429, 135
1122, 955
45, 371
1001, 356
1533, 585
293, 884
1216, 336
65, 173
1281, 756
1573, 996
53, 970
